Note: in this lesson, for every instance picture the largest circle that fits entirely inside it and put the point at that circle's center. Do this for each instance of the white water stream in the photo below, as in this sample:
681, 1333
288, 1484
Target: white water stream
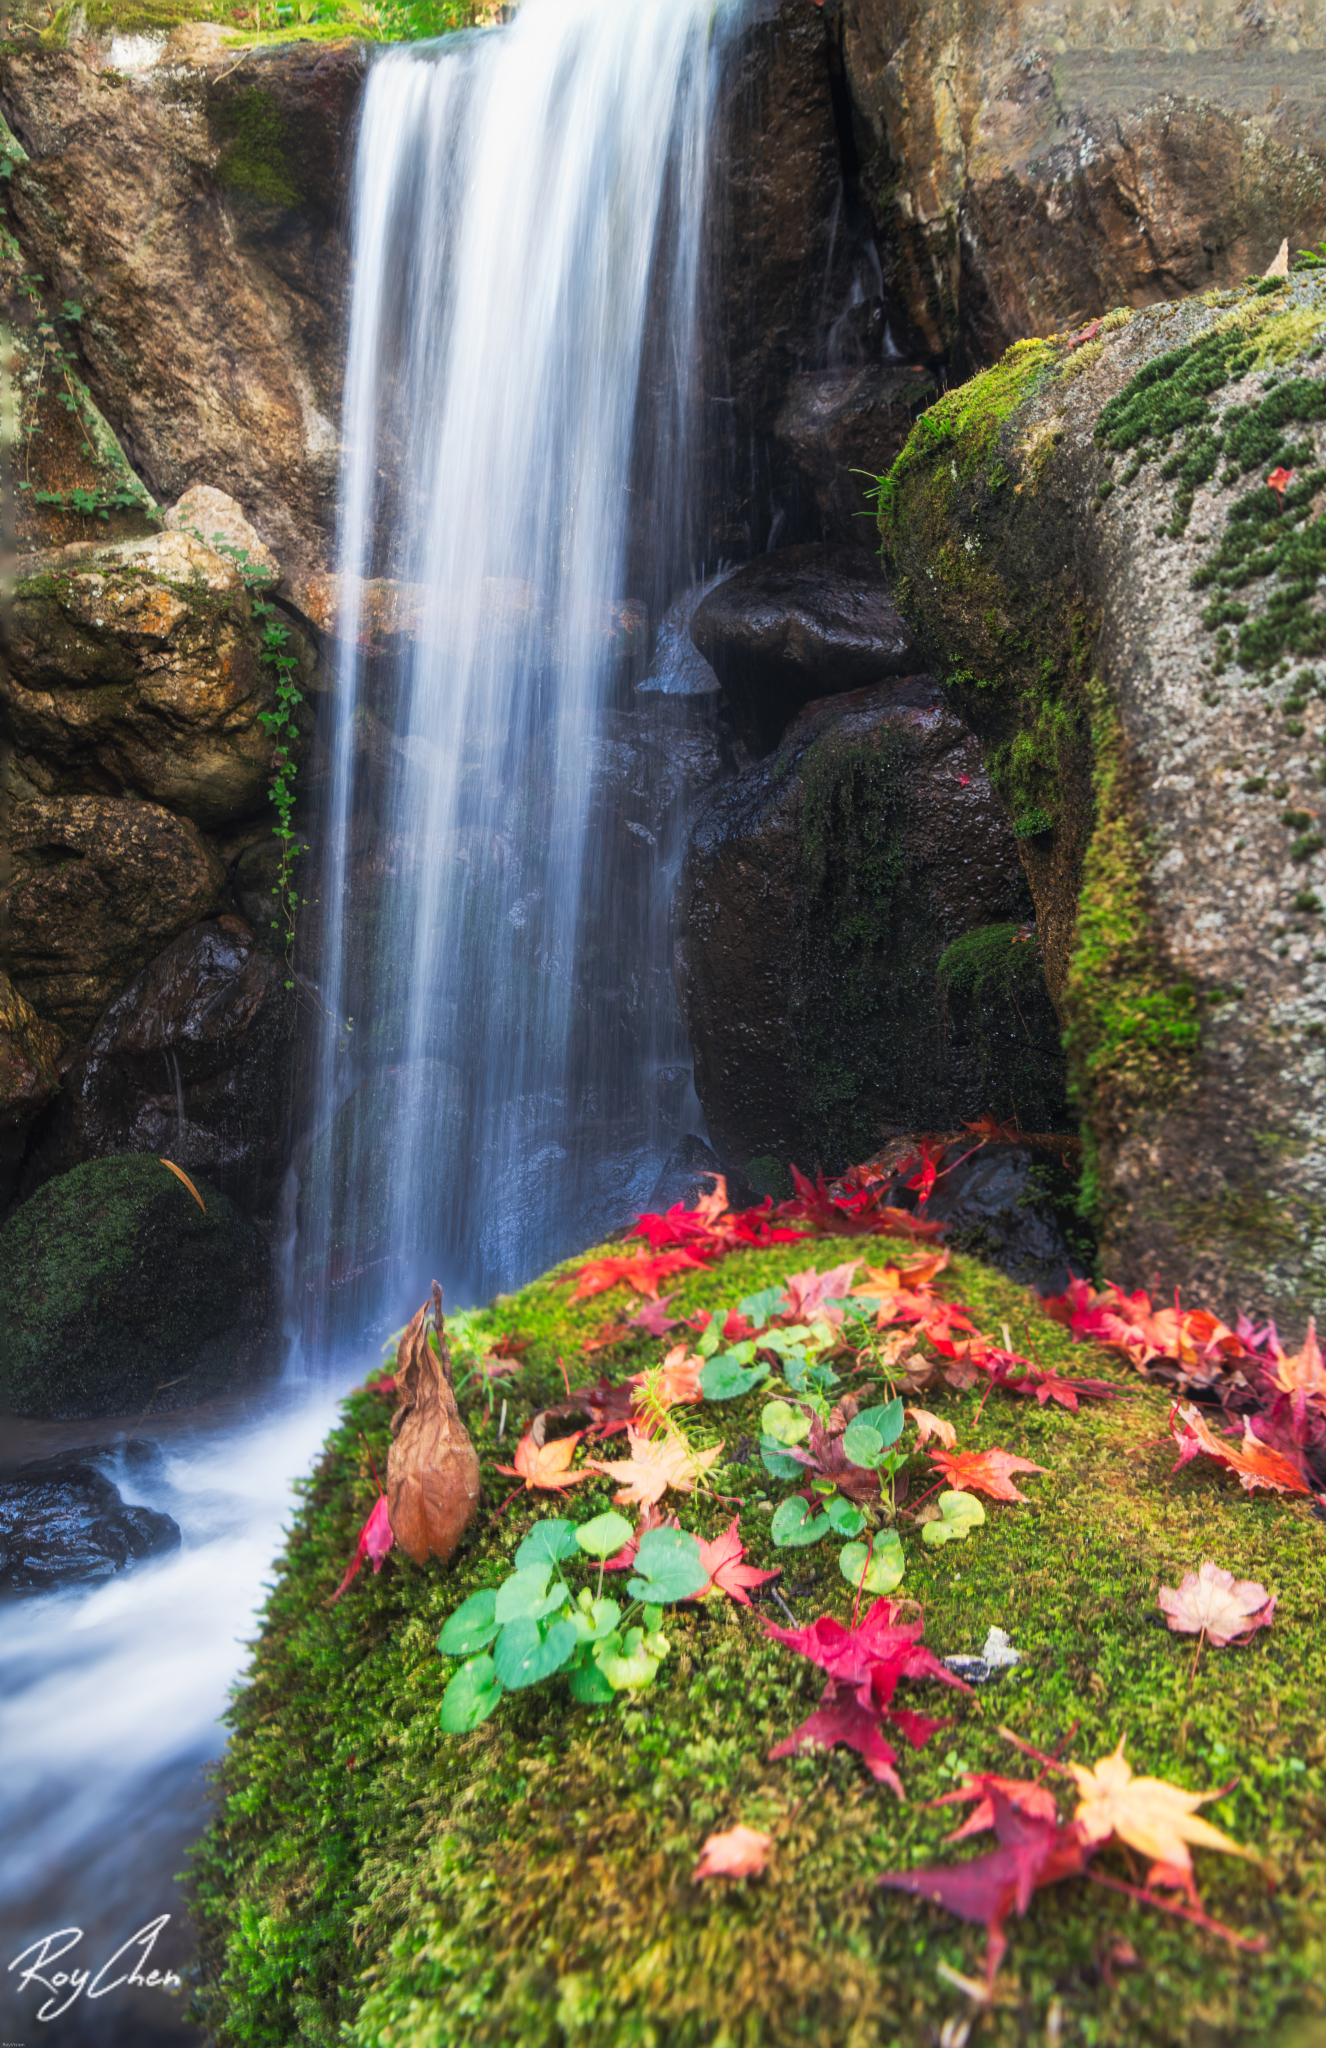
529, 211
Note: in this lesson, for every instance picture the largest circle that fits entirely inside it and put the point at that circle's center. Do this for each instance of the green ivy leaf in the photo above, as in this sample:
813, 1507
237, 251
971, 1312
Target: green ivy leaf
784, 1423
668, 1567
525, 1595
725, 1379
588, 1684
594, 1620
794, 1524
885, 1568
888, 1419
547, 1543
777, 1461
757, 1308
862, 1445
959, 1514
624, 1660
845, 1517
471, 1696
525, 1652
606, 1533
472, 1627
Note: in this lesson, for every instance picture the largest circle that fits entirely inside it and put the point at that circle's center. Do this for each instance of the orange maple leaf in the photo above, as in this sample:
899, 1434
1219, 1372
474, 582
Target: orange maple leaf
655, 1464
640, 1270
675, 1381
983, 1471
727, 1574
1301, 1374
740, 1852
1256, 1463
545, 1466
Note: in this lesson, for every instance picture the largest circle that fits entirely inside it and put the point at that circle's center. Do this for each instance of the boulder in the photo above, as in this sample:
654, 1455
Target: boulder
193, 1061
62, 1523
1031, 166
137, 669
843, 427
994, 1004
799, 624
117, 1286
1127, 612
99, 885
214, 518
29, 1052
820, 888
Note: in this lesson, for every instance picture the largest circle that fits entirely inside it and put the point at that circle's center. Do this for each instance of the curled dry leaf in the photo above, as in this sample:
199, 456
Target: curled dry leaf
739, 1852
1256, 1463
432, 1467
1214, 1603
928, 1425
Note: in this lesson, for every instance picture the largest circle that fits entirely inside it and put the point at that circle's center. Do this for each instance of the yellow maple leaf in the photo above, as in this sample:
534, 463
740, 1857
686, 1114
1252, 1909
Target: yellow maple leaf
655, 1464
1152, 1815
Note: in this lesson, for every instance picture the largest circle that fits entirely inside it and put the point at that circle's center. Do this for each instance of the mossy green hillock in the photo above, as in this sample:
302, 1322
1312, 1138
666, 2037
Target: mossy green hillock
371, 1882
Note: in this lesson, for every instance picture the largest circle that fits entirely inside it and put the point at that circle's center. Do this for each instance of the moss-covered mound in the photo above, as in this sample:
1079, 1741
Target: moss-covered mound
370, 1880
113, 1280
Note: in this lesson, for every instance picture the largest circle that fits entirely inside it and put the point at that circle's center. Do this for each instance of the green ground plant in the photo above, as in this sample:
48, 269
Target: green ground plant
372, 1879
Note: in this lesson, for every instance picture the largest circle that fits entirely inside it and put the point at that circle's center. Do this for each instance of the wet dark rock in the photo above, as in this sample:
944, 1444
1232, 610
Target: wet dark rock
688, 1174
62, 1523
1012, 1204
994, 1004
29, 1052
193, 1061
836, 424
116, 1287
677, 668
820, 888
800, 624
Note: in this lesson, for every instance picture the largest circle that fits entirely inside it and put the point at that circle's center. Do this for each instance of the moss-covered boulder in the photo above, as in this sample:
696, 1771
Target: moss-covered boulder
1128, 614
114, 1281
373, 1882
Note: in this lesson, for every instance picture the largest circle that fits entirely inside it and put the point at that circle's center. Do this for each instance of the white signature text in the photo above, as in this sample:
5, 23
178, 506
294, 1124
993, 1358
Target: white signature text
64, 1986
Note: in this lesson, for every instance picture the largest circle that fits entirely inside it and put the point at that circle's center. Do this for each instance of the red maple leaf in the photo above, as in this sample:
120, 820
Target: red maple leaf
1279, 481
840, 1718
727, 1574
637, 1270
983, 1471
1256, 1463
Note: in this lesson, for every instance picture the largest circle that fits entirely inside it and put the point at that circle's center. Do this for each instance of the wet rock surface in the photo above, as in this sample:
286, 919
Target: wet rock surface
841, 428
116, 1287
819, 890
29, 1055
63, 1523
193, 1061
136, 669
1011, 1203
1032, 165
796, 625
99, 885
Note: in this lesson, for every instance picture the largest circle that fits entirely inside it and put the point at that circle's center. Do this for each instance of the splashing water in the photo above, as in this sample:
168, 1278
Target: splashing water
528, 252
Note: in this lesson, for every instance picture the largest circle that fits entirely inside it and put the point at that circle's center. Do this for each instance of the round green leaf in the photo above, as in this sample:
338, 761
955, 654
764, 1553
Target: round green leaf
888, 1419
547, 1543
959, 1514
885, 1568
624, 1661
784, 1423
588, 1684
472, 1627
667, 1567
845, 1518
525, 1652
724, 1380
862, 1445
525, 1594
603, 1535
778, 1462
593, 1620
795, 1524
471, 1696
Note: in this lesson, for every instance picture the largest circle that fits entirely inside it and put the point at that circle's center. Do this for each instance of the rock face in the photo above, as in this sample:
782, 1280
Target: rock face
136, 669
99, 885
193, 1061
1011, 1203
63, 1523
819, 890
29, 1051
836, 424
803, 623
113, 1281
1032, 163
196, 212
1126, 611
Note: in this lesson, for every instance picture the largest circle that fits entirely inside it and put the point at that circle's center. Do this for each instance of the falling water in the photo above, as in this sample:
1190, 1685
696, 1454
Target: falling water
528, 256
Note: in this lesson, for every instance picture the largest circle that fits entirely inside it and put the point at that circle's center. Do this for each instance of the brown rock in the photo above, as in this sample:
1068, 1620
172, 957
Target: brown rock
802, 623
820, 888
843, 427
29, 1051
192, 1061
211, 517
1034, 163
99, 884
137, 668
196, 212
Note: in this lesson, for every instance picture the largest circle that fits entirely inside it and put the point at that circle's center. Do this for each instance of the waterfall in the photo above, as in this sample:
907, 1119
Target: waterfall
500, 1069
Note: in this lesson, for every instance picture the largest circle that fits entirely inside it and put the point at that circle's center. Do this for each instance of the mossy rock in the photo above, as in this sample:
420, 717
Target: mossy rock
113, 1281
993, 986
371, 1882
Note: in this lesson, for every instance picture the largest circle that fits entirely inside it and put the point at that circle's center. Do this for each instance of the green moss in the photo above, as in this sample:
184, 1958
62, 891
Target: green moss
369, 1881
959, 432
255, 160
112, 1281
769, 1176
992, 990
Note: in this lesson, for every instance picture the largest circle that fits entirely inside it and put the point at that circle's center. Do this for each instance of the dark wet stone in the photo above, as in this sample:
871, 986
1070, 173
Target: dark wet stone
63, 1523
1012, 1205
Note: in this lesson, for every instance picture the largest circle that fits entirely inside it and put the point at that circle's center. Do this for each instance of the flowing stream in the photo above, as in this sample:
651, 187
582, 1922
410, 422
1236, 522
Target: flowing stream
503, 1070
